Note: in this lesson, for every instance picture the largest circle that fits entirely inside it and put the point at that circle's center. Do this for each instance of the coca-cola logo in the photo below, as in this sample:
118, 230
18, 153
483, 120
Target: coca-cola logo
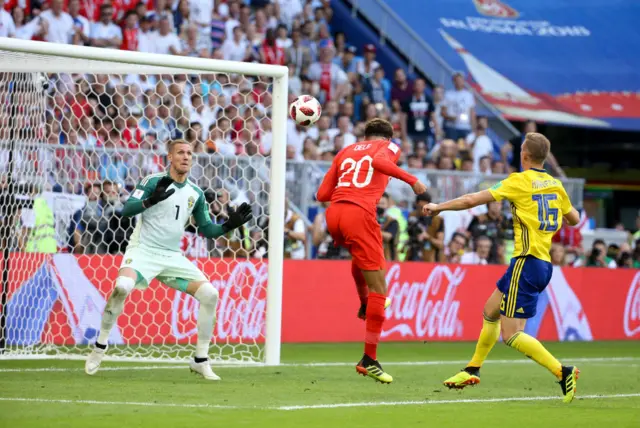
241, 307
424, 309
632, 308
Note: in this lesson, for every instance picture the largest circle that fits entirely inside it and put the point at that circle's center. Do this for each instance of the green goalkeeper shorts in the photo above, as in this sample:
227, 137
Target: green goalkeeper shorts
172, 269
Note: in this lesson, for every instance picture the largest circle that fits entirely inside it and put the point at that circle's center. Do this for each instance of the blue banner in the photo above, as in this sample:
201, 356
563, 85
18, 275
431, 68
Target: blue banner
557, 61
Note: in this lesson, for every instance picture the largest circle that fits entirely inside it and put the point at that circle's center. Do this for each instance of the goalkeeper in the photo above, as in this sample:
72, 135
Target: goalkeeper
166, 201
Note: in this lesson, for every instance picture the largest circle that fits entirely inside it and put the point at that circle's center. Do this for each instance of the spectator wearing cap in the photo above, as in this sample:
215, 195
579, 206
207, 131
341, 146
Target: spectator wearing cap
420, 114
104, 33
459, 110
379, 88
347, 60
236, 48
166, 41
331, 78
297, 54
366, 67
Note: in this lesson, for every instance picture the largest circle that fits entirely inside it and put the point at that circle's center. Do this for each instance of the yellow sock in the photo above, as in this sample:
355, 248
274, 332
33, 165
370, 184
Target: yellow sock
488, 337
533, 349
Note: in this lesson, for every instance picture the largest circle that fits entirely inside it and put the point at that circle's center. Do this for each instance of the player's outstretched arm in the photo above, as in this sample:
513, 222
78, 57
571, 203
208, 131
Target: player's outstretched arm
464, 202
329, 183
382, 162
143, 198
236, 218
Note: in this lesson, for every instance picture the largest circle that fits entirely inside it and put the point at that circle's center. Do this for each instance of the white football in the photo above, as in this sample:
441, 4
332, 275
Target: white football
305, 110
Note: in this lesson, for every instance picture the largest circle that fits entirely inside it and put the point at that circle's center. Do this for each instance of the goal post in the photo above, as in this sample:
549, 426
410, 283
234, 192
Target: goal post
35, 158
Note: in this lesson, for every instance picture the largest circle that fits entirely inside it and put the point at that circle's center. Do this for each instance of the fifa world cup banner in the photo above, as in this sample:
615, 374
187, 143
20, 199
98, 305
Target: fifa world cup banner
60, 298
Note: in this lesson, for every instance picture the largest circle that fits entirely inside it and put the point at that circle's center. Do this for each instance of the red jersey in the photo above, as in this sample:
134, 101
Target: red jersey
360, 173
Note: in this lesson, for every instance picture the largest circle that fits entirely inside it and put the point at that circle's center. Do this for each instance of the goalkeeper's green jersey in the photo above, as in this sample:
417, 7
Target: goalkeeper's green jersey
161, 226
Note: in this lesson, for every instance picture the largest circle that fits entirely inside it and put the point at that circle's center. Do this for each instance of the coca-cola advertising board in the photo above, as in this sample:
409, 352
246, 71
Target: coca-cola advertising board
61, 297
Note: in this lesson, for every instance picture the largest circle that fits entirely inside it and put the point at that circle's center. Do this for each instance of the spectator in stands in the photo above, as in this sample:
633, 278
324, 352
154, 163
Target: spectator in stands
426, 234
282, 37
166, 41
479, 143
419, 110
7, 25
347, 59
331, 79
378, 88
481, 254
636, 236
89, 222
402, 89
146, 36
438, 102
35, 28
298, 54
511, 152
270, 52
558, 255
454, 251
389, 228
236, 48
570, 238
367, 65
294, 235
597, 256
104, 33
130, 32
458, 110
498, 167
61, 27
492, 225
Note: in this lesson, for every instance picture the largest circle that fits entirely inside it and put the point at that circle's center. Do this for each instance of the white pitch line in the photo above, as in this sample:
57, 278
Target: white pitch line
432, 402
309, 407
326, 364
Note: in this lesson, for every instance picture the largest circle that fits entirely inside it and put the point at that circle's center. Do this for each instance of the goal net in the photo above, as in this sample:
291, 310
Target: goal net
79, 128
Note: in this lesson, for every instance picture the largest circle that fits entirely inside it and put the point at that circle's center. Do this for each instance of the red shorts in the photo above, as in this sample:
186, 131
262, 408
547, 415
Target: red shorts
356, 229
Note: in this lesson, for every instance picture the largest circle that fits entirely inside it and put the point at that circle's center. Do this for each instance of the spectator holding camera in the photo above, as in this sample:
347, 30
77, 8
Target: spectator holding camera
492, 225
389, 228
597, 256
426, 234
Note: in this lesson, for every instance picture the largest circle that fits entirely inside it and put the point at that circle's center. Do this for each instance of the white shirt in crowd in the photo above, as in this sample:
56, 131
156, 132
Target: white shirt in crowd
60, 27
338, 76
7, 26
229, 26
472, 258
100, 31
83, 23
161, 44
284, 43
482, 147
146, 41
232, 51
459, 103
297, 251
200, 11
27, 31
289, 9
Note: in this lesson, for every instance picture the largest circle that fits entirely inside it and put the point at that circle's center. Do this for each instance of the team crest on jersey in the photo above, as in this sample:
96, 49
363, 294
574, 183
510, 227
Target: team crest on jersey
495, 9
191, 202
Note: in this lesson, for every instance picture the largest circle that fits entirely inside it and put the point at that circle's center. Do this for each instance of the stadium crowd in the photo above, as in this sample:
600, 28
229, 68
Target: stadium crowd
130, 117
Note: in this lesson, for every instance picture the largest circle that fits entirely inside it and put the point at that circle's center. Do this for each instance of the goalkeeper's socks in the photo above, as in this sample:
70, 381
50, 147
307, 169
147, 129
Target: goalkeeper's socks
200, 360
373, 324
101, 346
361, 284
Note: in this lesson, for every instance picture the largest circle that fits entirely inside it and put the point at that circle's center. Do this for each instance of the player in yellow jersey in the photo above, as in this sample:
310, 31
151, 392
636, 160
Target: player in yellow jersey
538, 204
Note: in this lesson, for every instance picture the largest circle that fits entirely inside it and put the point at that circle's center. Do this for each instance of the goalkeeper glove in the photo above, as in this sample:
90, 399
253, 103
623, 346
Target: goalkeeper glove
237, 218
160, 193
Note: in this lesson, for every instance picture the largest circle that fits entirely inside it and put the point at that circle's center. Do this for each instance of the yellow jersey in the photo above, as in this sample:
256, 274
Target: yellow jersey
538, 202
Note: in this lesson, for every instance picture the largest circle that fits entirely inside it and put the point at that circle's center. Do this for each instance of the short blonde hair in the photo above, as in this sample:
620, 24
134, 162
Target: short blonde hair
172, 143
538, 146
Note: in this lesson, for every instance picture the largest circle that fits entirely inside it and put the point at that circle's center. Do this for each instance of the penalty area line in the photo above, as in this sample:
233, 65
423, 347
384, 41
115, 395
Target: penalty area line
308, 407
604, 360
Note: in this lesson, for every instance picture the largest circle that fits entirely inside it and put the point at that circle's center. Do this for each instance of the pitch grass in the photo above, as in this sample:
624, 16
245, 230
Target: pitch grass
257, 394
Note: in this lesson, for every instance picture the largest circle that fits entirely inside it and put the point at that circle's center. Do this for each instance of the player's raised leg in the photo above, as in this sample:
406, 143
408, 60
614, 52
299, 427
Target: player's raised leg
207, 295
124, 285
489, 336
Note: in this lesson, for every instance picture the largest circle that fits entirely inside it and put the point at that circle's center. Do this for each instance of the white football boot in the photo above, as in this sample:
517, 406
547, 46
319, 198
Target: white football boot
203, 369
94, 360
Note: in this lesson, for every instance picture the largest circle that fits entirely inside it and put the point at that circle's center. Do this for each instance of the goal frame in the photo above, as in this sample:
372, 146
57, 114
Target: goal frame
182, 65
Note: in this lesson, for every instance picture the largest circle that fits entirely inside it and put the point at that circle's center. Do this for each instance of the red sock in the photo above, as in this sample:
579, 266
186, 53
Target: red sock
361, 285
373, 324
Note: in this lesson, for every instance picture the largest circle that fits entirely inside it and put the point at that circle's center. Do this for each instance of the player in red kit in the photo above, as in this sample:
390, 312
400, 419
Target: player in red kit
355, 182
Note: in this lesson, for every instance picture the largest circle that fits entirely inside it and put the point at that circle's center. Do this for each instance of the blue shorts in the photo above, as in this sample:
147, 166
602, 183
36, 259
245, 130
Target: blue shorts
525, 279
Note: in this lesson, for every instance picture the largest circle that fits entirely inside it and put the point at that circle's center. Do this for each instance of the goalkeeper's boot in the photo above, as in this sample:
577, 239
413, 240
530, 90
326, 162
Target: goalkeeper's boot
94, 360
203, 369
362, 312
569, 382
468, 376
372, 368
